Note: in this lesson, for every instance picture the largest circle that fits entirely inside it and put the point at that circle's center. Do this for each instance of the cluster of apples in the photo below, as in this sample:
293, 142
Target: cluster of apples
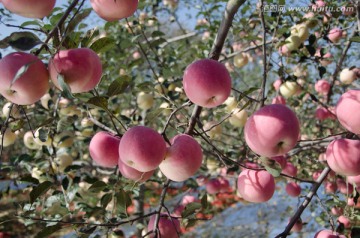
141, 150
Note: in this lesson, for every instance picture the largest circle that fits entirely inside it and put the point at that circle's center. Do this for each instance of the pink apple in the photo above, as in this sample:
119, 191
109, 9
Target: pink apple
330, 187
345, 221
281, 160
256, 185
103, 149
133, 174
348, 110
225, 185
279, 100
30, 86
168, 227
293, 189
326, 59
355, 180
114, 10
183, 158
337, 211
316, 175
207, 83
328, 234
335, 35
189, 199
297, 226
348, 76
29, 8
277, 84
343, 156
274, 140
322, 87
142, 148
81, 69
343, 187
213, 186
289, 169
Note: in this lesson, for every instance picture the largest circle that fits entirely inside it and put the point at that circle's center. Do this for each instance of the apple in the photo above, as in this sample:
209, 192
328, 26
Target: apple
337, 211
322, 87
330, 187
300, 30
343, 156
290, 170
30, 86
189, 199
238, 117
343, 187
347, 76
328, 234
354, 180
324, 60
231, 103
240, 60
114, 10
64, 139
8, 138
276, 140
81, 69
256, 185
104, 149
335, 35
278, 100
277, 83
347, 110
281, 160
142, 148
292, 43
289, 88
322, 113
63, 161
213, 186
168, 227
293, 189
311, 21
15, 111
29, 141
212, 129
30, 8
297, 226
133, 174
207, 83
345, 221
183, 158
201, 180
145, 100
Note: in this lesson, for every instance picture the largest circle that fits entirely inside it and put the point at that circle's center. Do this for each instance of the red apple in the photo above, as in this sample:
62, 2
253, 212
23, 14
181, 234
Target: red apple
335, 35
207, 83
293, 189
343, 156
348, 110
142, 148
328, 234
355, 180
213, 186
30, 86
183, 158
330, 187
281, 160
133, 174
290, 169
322, 113
168, 227
337, 211
81, 69
274, 140
103, 149
345, 221
322, 87
29, 8
297, 226
256, 185
343, 187
114, 10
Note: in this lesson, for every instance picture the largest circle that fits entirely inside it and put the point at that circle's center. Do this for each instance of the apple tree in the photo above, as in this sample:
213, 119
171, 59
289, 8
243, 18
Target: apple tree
149, 118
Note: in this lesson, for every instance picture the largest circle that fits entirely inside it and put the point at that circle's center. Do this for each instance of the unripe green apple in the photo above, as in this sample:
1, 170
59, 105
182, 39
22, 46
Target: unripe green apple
238, 117
145, 100
230, 103
64, 139
212, 130
63, 161
29, 141
8, 138
240, 60
44, 100
37, 140
289, 88
293, 42
300, 30
347, 76
15, 111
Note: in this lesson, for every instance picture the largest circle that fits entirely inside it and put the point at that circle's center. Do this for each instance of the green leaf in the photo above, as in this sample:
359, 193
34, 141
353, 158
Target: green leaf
29, 179
66, 91
123, 200
190, 209
105, 200
204, 201
355, 39
78, 19
98, 101
47, 231
22, 40
322, 71
273, 172
103, 44
97, 186
40, 190
154, 114
43, 135
118, 86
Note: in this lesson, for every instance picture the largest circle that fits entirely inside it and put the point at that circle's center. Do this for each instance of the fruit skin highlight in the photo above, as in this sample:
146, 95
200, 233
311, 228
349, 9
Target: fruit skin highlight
30, 86
256, 185
207, 83
142, 148
272, 130
30, 8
